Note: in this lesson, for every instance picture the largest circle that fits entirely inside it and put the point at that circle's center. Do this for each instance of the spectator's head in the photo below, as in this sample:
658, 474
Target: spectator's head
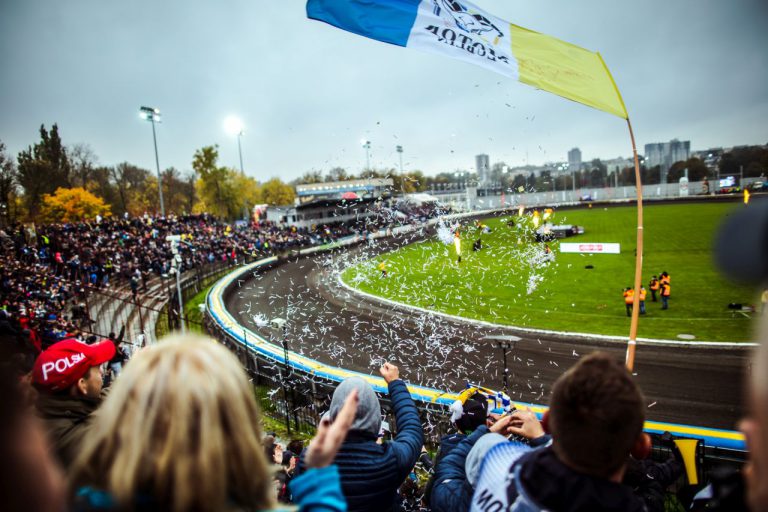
596, 416
368, 416
755, 427
296, 446
470, 414
188, 410
71, 367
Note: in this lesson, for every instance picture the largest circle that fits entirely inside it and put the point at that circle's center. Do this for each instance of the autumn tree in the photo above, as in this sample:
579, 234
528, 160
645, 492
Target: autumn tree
222, 191
309, 177
82, 161
43, 168
136, 189
277, 193
71, 205
178, 191
697, 170
338, 174
751, 160
8, 187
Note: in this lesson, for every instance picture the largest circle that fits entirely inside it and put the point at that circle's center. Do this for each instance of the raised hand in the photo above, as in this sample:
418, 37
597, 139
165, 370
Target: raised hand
390, 372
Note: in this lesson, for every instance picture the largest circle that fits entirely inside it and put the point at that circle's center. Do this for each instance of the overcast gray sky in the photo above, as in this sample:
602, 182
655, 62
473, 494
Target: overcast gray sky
308, 93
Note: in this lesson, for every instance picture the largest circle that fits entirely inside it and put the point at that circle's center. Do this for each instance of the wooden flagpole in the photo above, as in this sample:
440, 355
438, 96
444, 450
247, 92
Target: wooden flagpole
632, 343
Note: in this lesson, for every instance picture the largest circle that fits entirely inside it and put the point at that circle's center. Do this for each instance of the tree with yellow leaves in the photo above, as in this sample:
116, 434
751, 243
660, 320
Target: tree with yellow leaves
71, 205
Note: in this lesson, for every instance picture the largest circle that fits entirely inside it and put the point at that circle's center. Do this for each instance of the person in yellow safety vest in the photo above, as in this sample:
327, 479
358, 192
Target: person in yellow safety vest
643, 294
666, 291
383, 268
629, 298
654, 286
665, 278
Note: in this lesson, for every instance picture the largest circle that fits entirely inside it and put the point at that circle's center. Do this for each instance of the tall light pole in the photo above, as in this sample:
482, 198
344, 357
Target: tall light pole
233, 126
367, 145
505, 343
153, 116
399, 150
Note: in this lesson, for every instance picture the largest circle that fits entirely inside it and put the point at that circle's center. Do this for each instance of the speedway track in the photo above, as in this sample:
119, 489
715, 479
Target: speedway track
691, 385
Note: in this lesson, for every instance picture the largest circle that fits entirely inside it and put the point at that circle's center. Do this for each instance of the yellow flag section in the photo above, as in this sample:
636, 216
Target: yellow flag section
565, 69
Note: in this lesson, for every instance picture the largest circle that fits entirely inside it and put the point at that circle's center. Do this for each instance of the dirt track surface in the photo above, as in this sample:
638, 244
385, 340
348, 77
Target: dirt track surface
682, 384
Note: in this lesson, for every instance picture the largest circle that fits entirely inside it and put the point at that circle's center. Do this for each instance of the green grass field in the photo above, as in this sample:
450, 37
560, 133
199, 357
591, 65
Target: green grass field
494, 284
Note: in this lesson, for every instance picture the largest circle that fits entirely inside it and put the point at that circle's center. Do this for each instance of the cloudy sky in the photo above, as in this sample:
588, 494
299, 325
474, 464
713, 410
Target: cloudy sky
308, 93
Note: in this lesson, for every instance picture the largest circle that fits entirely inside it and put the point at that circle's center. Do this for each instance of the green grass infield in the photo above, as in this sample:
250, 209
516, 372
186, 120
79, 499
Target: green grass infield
509, 281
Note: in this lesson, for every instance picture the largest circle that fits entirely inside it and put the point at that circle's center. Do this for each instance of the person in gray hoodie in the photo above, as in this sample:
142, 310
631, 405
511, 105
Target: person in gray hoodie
371, 473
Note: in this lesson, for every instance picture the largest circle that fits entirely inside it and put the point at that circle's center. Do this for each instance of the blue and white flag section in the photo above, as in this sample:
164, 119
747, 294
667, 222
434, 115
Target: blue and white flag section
460, 30
454, 29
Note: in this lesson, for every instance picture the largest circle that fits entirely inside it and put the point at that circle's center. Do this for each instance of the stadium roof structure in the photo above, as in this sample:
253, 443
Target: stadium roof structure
363, 187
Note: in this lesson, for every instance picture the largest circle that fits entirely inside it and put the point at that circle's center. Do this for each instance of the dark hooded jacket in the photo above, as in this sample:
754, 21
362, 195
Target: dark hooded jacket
66, 420
371, 473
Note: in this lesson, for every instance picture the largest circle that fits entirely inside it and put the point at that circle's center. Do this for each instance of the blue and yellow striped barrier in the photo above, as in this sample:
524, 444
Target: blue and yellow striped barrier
218, 312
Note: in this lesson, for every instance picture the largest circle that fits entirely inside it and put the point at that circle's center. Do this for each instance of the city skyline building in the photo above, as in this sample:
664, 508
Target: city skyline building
664, 154
574, 159
482, 167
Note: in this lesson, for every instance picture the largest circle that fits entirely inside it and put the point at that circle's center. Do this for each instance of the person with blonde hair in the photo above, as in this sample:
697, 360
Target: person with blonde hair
180, 431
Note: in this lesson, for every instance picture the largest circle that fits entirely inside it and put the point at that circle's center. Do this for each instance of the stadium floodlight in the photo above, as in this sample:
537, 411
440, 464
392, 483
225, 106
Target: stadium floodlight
367, 145
234, 126
153, 116
505, 343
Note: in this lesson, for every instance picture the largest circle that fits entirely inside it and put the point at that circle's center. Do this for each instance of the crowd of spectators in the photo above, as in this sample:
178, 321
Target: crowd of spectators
47, 271
180, 430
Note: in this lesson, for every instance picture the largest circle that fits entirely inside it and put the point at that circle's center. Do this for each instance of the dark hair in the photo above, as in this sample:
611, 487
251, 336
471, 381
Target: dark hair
295, 446
596, 415
475, 413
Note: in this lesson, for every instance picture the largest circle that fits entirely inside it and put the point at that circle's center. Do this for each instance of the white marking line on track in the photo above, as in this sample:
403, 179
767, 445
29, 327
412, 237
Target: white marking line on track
602, 337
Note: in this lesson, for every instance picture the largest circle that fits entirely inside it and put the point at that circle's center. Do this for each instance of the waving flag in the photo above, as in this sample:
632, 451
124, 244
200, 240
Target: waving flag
463, 31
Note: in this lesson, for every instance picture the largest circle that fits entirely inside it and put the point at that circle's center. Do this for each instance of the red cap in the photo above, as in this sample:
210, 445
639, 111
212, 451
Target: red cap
65, 362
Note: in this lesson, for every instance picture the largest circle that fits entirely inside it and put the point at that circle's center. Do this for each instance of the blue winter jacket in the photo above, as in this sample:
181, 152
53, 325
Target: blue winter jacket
371, 473
451, 491
317, 490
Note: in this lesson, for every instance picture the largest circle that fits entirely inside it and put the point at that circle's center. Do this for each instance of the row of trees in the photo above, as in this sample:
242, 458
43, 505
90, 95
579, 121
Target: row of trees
53, 182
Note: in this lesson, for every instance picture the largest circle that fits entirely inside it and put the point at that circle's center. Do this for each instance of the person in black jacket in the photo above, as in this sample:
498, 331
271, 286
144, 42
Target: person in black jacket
371, 473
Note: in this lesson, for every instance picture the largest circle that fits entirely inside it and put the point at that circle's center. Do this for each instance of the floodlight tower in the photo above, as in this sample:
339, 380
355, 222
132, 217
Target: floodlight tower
233, 126
153, 116
367, 145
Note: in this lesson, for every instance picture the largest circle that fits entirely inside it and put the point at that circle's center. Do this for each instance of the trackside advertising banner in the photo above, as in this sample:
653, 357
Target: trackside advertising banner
591, 248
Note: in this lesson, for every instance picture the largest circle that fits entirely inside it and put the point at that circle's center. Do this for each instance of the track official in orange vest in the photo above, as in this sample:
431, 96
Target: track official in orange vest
666, 291
643, 294
654, 287
629, 299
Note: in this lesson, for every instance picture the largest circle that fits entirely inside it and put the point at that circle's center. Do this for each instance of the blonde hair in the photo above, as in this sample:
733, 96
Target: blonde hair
180, 427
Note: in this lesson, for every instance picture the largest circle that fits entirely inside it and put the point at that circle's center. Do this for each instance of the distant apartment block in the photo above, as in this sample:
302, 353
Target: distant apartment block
483, 168
664, 154
574, 159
